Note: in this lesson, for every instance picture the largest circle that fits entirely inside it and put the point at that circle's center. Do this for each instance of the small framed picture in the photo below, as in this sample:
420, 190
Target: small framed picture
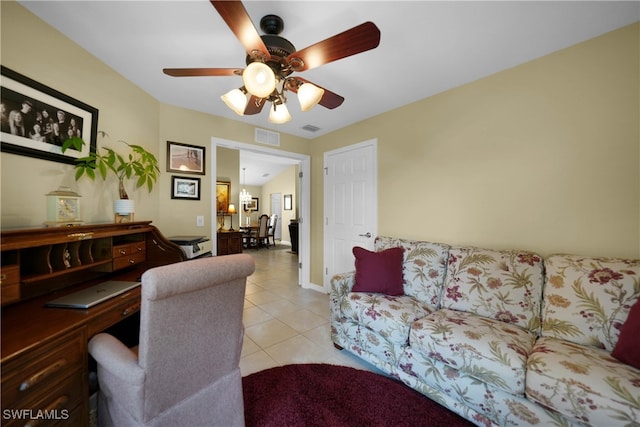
287, 202
186, 188
184, 158
253, 205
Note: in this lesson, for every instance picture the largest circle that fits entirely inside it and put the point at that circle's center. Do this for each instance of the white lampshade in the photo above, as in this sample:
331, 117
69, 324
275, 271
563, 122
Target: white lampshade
236, 100
309, 95
279, 114
259, 79
124, 206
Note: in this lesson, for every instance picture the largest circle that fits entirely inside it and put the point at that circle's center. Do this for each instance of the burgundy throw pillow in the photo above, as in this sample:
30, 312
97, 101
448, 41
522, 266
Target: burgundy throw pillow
627, 349
379, 272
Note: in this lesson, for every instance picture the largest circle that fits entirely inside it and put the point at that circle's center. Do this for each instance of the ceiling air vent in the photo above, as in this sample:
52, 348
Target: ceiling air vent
311, 128
267, 137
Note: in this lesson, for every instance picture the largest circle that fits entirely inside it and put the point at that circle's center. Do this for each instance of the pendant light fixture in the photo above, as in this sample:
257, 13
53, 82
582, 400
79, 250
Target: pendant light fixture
245, 196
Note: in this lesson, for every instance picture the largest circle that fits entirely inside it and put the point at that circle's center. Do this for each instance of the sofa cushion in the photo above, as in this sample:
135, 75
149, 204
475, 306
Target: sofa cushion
387, 315
583, 383
627, 349
423, 268
587, 300
487, 349
378, 271
502, 285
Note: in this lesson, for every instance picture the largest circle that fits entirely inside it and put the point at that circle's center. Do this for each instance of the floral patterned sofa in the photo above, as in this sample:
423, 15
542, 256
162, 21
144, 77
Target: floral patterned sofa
499, 337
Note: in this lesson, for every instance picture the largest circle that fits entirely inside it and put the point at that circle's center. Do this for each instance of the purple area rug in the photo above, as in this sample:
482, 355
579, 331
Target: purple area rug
330, 395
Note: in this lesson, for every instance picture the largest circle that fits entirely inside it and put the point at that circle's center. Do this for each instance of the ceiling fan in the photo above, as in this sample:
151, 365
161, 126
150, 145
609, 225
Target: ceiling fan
271, 59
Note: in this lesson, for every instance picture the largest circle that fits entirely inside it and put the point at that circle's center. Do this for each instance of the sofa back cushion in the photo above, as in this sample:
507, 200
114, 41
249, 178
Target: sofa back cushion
587, 300
423, 267
502, 285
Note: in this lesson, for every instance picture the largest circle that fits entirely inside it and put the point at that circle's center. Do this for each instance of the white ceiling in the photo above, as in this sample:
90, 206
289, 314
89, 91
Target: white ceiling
426, 47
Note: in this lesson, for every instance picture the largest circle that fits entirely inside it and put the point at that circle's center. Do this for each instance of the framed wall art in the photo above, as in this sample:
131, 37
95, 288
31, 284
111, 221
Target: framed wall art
288, 205
223, 192
186, 188
37, 119
253, 205
184, 158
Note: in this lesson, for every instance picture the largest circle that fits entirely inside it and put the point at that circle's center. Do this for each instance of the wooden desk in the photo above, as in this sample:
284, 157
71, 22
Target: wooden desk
44, 350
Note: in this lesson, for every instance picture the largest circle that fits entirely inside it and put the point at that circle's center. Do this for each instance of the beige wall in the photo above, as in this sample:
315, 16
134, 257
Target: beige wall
284, 183
544, 156
125, 112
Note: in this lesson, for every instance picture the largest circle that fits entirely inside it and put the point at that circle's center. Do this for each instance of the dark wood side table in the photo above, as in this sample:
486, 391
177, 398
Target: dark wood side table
229, 242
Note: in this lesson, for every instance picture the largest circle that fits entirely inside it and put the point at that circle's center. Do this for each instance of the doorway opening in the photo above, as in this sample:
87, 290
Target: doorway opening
303, 188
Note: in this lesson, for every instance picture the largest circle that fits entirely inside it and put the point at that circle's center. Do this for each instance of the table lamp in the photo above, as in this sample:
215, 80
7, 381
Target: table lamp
231, 211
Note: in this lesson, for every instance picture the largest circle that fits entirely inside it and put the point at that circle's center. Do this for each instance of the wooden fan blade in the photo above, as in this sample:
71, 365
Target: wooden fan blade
254, 106
329, 99
237, 18
356, 40
200, 72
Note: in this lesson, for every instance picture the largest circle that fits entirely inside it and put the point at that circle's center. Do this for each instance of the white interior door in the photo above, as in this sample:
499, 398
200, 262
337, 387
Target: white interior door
276, 208
350, 205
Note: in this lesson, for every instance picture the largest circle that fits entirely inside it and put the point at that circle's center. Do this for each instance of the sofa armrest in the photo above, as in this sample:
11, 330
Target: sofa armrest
341, 285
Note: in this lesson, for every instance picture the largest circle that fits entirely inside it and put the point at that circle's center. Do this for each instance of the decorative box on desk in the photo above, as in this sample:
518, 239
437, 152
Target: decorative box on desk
194, 246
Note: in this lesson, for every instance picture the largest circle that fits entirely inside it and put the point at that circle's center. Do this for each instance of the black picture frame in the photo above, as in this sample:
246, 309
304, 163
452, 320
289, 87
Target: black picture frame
253, 205
46, 104
288, 198
185, 158
185, 188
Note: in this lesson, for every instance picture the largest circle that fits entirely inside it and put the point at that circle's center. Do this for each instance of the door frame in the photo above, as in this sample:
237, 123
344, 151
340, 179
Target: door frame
304, 187
328, 198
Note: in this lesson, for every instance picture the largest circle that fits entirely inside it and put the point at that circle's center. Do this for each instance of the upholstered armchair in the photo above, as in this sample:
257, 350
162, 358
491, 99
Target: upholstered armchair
186, 368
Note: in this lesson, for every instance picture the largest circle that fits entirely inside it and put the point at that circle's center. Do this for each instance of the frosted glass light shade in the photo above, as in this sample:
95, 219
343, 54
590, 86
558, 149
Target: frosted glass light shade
236, 100
309, 95
279, 114
259, 79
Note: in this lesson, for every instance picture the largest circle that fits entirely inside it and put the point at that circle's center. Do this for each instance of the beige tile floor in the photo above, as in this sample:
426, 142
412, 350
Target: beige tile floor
284, 323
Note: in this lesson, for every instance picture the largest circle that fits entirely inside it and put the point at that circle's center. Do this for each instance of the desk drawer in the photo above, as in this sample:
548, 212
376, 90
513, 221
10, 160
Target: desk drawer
62, 406
129, 249
129, 260
39, 372
9, 283
124, 306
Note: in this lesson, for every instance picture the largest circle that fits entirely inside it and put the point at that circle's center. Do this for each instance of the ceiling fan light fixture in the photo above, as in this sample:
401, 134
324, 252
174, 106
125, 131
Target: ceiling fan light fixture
259, 79
236, 99
279, 114
309, 95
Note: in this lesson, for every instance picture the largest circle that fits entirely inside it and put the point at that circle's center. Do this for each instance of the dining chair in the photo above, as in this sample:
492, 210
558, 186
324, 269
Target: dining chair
273, 221
260, 236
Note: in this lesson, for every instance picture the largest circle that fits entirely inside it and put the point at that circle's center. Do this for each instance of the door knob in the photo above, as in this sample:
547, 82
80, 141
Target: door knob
367, 235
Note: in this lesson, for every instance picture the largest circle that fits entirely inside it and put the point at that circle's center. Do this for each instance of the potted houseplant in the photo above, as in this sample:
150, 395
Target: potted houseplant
138, 163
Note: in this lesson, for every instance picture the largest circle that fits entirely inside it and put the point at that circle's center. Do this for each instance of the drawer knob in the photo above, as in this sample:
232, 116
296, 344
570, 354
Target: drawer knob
123, 252
42, 374
131, 309
132, 261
